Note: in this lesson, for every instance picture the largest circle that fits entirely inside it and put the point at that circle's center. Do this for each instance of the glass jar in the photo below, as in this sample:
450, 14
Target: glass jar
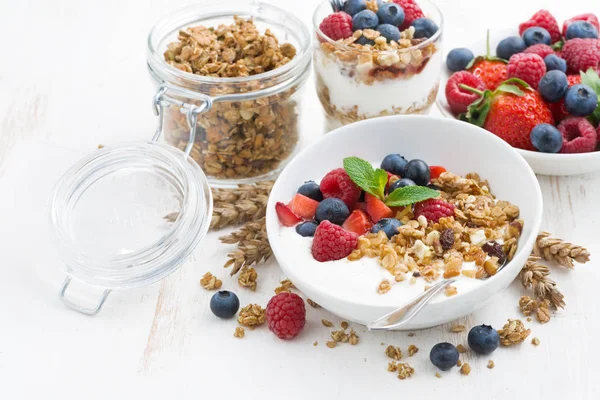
356, 83
247, 127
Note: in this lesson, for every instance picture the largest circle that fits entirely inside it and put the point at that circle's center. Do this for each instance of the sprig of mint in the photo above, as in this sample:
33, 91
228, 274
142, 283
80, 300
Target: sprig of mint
373, 181
592, 79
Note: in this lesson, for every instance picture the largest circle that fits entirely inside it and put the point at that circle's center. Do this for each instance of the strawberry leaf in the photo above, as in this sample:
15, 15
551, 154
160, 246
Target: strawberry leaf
591, 79
409, 195
365, 176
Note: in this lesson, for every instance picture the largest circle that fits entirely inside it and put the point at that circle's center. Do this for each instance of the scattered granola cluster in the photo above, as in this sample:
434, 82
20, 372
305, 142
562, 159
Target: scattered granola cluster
252, 315
340, 336
210, 282
513, 332
434, 250
234, 139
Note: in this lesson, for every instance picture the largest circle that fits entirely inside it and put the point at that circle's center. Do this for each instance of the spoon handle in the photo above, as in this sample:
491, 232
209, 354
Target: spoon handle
404, 314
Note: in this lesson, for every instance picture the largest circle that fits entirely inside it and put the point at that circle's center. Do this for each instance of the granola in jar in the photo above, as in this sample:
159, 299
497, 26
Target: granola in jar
367, 75
247, 74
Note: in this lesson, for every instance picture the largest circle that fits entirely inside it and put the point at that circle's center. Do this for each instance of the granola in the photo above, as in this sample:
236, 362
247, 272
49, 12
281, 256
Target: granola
248, 277
234, 139
393, 352
210, 282
513, 332
239, 332
252, 315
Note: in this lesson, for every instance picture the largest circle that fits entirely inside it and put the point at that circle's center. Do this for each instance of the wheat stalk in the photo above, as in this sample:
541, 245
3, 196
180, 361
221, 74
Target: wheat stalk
242, 204
557, 250
253, 245
535, 275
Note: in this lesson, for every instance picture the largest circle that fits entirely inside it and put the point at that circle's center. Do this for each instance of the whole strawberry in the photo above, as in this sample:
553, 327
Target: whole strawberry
527, 67
286, 315
412, 11
545, 20
510, 112
491, 72
581, 54
591, 18
337, 26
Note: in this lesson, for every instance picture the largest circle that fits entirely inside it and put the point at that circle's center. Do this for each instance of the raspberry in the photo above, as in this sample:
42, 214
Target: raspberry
434, 209
581, 54
545, 20
337, 26
332, 242
559, 111
591, 18
286, 315
338, 184
541, 50
528, 67
458, 98
579, 135
412, 11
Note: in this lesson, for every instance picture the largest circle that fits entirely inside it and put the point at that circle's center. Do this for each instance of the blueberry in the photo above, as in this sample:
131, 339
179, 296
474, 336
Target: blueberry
388, 225
390, 32
546, 138
394, 164
332, 209
353, 7
483, 339
400, 183
424, 28
307, 228
444, 356
553, 86
458, 59
311, 190
510, 46
224, 304
555, 63
366, 19
418, 171
581, 29
364, 41
581, 100
390, 13
536, 35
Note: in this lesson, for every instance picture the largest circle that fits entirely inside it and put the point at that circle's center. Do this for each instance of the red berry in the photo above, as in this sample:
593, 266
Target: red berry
286, 215
377, 208
559, 111
434, 209
458, 98
286, 315
541, 50
436, 171
338, 184
337, 26
591, 18
581, 54
529, 67
391, 179
579, 135
332, 242
303, 206
358, 222
412, 11
545, 20
492, 73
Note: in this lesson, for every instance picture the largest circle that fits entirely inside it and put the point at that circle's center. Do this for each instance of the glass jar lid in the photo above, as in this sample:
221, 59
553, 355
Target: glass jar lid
128, 215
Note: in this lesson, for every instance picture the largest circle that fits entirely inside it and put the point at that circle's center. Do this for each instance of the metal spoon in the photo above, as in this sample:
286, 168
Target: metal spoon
337, 5
403, 315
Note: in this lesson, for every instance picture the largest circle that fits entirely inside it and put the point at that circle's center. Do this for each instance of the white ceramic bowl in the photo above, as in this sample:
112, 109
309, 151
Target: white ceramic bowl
541, 163
458, 146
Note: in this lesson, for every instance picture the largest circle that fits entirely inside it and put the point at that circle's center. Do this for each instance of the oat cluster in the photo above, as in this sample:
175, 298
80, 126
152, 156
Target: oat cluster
252, 315
239, 332
404, 370
248, 277
340, 336
234, 139
419, 251
285, 286
513, 332
210, 282
540, 308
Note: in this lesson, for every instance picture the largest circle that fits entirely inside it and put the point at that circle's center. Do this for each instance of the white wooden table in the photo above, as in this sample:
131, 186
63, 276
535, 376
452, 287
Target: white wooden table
73, 75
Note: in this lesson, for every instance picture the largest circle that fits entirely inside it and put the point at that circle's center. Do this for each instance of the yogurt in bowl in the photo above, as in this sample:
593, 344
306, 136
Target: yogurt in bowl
350, 288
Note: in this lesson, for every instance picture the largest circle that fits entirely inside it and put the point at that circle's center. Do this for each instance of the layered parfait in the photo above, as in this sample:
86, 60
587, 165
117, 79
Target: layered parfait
401, 224
375, 58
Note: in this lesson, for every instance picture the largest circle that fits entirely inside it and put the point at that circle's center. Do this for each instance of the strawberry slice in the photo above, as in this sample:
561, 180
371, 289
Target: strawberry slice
436, 171
358, 222
303, 206
361, 205
377, 208
286, 215
391, 179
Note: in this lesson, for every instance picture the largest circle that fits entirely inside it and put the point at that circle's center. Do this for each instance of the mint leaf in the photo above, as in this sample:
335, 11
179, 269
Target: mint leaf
592, 79
365, 176
410, 195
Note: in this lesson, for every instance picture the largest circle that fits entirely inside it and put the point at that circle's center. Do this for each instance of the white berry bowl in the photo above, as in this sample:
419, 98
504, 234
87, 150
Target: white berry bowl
541, 163
349, 288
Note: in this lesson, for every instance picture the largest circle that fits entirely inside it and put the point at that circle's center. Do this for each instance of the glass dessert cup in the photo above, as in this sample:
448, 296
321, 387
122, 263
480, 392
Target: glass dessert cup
249, 127
355, 83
